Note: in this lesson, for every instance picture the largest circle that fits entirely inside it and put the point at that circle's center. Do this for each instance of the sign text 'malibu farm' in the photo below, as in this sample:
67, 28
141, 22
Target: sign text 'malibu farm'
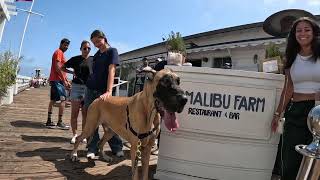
227, 105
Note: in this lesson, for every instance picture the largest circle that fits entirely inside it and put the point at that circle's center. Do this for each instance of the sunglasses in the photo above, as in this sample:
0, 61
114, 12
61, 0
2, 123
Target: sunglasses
86, 48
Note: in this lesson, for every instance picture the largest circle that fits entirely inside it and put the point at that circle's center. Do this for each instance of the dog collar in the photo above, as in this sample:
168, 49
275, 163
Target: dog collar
140, 136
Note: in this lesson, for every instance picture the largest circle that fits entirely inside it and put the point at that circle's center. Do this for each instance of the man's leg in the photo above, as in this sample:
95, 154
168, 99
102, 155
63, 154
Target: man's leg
62, 96
49, 122
50, 106
53, 97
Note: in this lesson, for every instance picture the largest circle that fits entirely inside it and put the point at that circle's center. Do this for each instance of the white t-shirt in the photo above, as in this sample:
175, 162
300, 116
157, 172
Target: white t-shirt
305, 74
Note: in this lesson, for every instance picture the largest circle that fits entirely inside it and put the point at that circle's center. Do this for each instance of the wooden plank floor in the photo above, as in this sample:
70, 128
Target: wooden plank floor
28, 150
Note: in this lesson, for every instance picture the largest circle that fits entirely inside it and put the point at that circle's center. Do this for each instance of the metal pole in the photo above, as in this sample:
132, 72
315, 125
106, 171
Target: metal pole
25, 28
310, 164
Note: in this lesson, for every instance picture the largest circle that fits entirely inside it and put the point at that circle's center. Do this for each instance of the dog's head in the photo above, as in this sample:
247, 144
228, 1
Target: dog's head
169, 98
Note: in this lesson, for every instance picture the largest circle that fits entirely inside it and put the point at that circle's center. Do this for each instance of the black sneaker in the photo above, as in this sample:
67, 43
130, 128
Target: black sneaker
62, 126
50, 124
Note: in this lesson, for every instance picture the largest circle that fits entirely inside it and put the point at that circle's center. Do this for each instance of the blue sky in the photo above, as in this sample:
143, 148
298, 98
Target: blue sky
128, 24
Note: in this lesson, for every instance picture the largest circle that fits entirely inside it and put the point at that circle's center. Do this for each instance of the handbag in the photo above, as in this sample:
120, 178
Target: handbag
281, 119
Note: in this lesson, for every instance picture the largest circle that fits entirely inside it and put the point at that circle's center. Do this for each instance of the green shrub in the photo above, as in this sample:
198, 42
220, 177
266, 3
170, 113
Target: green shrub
175, 43
8, 71
272, 50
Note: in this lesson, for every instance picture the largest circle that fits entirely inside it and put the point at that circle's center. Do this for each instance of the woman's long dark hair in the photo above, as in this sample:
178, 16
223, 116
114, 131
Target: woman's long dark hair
293, 47
99, 34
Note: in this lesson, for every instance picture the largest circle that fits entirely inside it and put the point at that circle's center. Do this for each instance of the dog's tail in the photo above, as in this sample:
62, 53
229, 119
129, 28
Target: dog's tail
92, 120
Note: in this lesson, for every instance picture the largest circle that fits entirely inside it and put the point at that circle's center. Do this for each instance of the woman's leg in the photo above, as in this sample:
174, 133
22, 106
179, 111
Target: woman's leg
277, 165
84, 115
292, 136
90, 96
295, 133
75, 106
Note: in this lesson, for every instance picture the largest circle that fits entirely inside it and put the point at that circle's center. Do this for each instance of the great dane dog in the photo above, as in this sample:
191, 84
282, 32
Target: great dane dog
137, 119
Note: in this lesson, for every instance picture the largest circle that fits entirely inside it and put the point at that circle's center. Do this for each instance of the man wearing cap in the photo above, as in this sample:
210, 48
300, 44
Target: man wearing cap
58, 82
140, 76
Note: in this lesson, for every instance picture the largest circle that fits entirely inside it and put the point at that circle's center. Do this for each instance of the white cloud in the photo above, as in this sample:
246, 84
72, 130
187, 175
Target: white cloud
313, 2
292, 2
271, 1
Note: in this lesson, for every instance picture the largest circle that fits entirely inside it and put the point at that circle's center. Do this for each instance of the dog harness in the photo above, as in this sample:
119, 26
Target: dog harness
140, 136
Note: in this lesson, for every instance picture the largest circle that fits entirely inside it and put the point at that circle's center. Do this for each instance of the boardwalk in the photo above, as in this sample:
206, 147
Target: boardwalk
28, 150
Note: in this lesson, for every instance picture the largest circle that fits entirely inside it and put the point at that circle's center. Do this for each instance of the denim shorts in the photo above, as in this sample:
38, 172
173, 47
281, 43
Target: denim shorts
57, 91
77, 92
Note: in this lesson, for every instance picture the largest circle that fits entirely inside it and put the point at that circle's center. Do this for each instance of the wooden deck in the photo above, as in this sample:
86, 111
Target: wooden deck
28, 150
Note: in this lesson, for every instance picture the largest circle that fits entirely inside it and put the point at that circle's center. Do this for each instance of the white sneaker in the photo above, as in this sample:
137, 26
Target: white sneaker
91, 155
84, 140
73, 140
120, 154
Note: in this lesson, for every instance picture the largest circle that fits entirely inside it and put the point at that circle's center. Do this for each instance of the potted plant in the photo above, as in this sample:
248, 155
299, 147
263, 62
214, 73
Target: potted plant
273, 62
8, 72
176, 49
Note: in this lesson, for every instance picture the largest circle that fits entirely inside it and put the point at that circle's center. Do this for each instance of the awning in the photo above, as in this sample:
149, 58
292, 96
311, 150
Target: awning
211, 47
238, 44
150, 57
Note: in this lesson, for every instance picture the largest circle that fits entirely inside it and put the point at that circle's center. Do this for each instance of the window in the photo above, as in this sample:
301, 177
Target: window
195, 62
222, 62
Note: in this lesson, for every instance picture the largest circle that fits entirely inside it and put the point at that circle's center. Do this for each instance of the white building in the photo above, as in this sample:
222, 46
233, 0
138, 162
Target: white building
7, 9
243, 46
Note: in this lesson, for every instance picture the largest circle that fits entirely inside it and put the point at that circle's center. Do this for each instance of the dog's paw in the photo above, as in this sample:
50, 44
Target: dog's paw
74, 158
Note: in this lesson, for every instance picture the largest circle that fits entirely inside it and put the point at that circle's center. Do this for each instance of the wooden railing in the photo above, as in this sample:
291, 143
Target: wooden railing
22, 83
117, 83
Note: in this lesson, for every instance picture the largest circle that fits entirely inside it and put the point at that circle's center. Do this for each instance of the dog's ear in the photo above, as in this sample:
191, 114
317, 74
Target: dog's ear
149, 72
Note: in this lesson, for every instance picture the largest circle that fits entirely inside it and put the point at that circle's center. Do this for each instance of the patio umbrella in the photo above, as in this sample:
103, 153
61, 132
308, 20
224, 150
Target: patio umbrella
279, 23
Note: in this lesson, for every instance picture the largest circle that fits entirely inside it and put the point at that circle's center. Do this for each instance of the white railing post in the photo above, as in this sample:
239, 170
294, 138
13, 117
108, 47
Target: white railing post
117, 85
22, 83
16, 87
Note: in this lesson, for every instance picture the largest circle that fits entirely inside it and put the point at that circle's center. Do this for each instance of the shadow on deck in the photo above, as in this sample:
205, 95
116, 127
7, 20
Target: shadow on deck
28, 150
